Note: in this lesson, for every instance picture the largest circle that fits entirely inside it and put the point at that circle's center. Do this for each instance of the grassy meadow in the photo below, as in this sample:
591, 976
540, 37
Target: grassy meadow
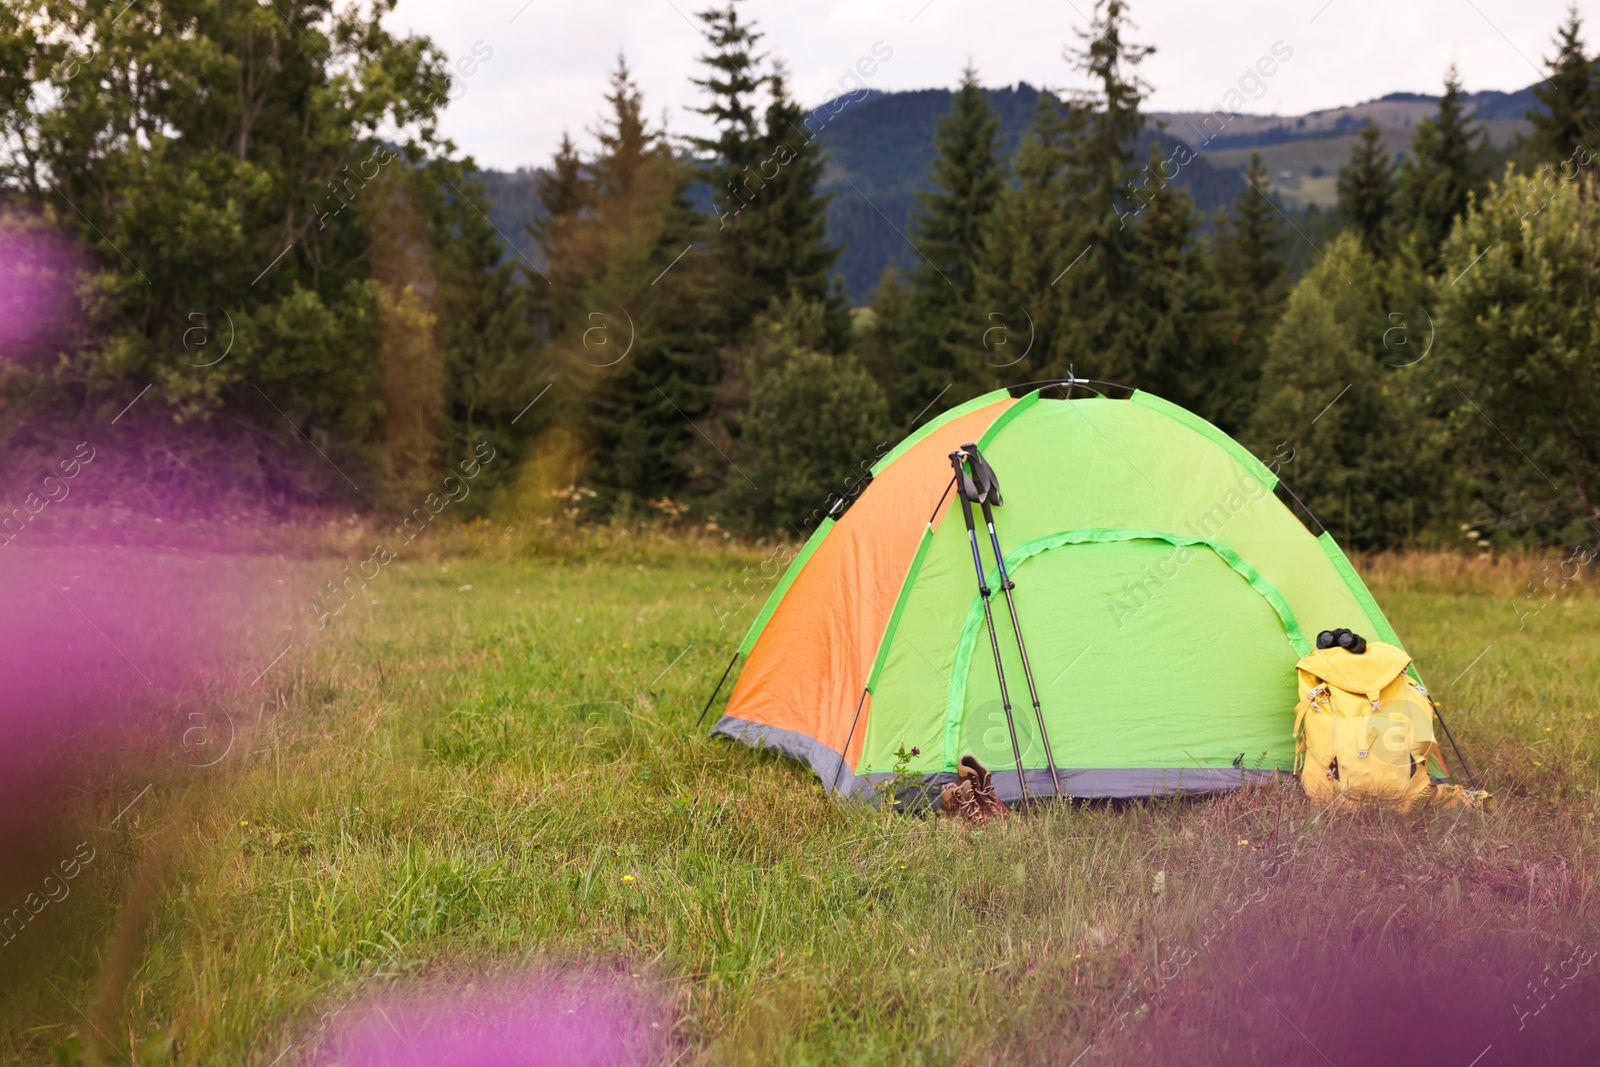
490, 761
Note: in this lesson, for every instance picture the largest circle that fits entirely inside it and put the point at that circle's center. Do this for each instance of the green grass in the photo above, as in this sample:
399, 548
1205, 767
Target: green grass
456, 780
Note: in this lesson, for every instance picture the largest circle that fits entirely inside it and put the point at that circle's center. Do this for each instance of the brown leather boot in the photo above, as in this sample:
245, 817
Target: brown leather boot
956, 801
974, 774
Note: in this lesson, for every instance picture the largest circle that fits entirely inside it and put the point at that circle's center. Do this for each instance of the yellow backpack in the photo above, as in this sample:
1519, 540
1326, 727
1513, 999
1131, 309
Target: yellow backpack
1364, 727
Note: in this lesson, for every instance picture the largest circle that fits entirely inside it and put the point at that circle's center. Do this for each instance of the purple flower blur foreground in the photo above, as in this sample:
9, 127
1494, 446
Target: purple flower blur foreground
116, 660
546, 1020
38, 290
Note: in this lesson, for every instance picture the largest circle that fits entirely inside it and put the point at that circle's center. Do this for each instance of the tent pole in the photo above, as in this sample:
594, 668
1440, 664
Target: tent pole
713, 698
1471, 779
849, 737
966, 491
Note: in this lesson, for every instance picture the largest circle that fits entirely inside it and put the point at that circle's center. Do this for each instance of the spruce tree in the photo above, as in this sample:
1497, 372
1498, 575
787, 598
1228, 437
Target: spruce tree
770, 232
1170, 334
1250, 240
564, 191
1102, 168
640, 237
1366, 193
967, 176
1570, 99
1443, 174
1251, 268
947, 324
784, 227
1106, 154
881, 343
1034, 247
732, 81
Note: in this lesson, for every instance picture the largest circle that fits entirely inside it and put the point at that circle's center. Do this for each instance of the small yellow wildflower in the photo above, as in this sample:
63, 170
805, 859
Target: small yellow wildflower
244, 822
1244, 840
627, 878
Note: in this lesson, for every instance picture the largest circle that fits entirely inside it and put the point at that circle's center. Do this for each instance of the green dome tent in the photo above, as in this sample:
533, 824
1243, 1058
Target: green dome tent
1163, 590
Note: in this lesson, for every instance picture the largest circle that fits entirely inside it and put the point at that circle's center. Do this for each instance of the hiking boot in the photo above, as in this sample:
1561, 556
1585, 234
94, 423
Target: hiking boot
974, 774
956, 801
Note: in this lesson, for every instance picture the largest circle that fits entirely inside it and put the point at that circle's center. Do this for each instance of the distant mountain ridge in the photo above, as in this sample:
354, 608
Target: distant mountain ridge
1491, 107
880, 152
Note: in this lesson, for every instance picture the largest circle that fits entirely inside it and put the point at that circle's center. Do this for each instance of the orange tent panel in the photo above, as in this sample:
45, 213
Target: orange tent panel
807, 670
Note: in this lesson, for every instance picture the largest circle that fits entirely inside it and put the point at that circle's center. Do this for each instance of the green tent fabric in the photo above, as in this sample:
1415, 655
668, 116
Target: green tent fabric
1165, 594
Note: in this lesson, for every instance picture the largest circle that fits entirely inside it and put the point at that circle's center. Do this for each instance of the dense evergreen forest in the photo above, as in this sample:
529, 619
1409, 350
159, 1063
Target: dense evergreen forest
278, 249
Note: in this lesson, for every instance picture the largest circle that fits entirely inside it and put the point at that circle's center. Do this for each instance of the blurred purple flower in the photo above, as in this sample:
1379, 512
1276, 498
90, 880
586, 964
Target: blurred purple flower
112, 654
542, 1020
39, 308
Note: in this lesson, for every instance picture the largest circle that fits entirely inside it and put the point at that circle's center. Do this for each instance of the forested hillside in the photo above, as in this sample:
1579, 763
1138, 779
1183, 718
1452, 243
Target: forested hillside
880, 147
730, 327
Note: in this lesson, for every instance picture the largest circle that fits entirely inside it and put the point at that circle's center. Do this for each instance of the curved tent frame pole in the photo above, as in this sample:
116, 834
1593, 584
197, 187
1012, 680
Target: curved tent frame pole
713, 698
851, 736
989, 500
1069, 384
967, 491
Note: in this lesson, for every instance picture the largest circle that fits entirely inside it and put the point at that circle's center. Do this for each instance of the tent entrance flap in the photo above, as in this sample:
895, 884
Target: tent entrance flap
1156, 660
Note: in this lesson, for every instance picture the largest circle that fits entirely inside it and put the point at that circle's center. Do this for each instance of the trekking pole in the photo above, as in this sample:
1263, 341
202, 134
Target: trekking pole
988, 487
967, 491
1471, 779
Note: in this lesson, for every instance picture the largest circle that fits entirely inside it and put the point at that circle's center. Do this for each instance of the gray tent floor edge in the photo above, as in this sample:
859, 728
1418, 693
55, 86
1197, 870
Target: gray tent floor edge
1126, 783
1083, 783
825, 761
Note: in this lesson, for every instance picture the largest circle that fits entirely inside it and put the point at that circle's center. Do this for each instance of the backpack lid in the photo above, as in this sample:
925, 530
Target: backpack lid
1369, 672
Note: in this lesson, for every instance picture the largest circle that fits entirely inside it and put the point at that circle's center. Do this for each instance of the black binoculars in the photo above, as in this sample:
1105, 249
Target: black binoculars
1345, 639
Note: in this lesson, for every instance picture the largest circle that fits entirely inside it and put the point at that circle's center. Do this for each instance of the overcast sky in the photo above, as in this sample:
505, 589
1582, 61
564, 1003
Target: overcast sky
547, 62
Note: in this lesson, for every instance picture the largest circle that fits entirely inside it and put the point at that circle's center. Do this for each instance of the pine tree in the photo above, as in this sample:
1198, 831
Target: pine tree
644, 294
1251, 268
1101, 168
1035, 245
1170, 332
1250, 240
882, 340
943, 346
784, 227
1366, 192
770, 236
1105, 156
1443, 174
1570, 99
729, 163
732, 81
563, 191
